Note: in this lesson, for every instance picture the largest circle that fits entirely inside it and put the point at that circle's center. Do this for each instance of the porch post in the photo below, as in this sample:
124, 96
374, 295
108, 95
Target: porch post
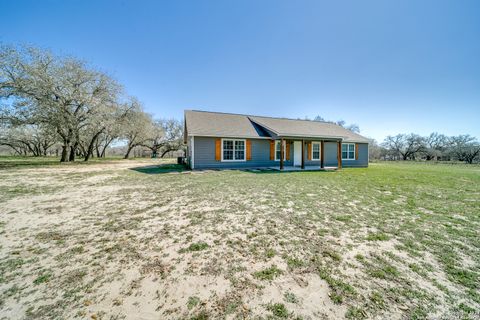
282, 154
339, 154
322, 155
303, 154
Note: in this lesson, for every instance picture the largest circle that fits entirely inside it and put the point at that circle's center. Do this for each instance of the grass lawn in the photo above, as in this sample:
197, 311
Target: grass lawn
128, 239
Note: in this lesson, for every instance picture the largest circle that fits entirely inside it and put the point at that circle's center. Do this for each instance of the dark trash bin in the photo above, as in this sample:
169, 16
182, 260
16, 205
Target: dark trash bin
180, 160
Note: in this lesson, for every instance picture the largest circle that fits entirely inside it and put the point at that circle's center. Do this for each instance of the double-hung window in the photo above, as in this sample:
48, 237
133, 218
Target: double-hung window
348, 151
315, 150
233, 150
277, 151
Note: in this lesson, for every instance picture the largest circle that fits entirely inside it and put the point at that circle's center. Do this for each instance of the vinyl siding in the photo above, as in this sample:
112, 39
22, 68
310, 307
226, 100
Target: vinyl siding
205, 155
362, 157
331, 149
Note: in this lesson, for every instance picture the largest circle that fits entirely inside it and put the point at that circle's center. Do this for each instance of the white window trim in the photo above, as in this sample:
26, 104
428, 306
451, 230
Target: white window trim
284, 150
244, 150
354, 151
319, 150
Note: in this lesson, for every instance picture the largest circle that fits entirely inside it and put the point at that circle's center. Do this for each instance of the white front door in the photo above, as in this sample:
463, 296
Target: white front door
297, 153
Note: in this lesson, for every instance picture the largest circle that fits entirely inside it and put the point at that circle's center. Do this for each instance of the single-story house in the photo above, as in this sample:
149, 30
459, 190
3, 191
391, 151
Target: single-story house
226, 140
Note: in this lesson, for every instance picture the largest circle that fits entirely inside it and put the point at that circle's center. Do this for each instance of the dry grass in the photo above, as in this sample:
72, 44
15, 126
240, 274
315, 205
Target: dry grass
108, 242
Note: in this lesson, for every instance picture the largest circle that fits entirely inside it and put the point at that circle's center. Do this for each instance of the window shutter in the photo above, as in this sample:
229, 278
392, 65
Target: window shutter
287, 150
309, 156
356, 151
272, 149
249, 150
218, 149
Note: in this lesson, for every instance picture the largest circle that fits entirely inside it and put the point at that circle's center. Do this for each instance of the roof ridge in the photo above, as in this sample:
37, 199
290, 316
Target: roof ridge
269, 117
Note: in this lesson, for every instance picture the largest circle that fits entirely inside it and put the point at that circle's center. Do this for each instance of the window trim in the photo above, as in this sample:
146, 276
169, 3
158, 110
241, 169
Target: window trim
354, 155
284, 150
244, 150
319, 150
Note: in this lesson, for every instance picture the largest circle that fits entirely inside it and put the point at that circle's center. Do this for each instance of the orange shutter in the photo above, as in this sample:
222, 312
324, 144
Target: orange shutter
272, 150
249, 150
218, 149
309, 156
288, 150
356, 151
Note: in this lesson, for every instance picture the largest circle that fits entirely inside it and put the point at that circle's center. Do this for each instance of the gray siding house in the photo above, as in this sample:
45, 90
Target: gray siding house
225, 140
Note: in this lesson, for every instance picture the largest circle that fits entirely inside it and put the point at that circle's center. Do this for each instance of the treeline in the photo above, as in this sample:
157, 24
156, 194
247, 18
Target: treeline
436, 147
50, 103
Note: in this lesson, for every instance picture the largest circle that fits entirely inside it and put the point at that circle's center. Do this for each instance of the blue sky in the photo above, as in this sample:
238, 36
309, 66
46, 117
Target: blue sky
389, 66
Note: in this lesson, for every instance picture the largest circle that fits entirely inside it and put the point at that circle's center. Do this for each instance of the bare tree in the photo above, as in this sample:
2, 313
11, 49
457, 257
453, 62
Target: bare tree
403, 145
465, 148
352, 127
105, 139
78, 102
27, 139
138, 127
375, 151
168, 136
105, 117
435, 145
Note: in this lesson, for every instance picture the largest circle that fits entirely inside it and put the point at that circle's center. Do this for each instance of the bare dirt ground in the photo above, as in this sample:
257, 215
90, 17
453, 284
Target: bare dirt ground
133, 240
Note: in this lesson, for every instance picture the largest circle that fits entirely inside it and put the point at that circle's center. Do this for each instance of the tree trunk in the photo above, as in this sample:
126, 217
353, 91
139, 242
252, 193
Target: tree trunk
104, 149
102, 154
65, 146
128, 152
92, 145
97, 148
165, 152
73, 150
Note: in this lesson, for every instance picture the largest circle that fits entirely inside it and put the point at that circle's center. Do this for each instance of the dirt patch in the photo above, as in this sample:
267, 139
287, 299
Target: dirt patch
109, 240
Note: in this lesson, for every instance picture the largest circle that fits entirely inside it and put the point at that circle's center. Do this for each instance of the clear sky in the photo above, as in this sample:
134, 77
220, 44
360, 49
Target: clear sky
389, 66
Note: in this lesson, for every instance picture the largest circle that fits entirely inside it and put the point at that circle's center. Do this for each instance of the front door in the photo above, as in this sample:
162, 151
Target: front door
297, 153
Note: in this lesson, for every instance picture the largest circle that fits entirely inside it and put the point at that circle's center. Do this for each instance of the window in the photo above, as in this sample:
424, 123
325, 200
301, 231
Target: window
348, 151
277, 151
315, 151
233, 150
240, 150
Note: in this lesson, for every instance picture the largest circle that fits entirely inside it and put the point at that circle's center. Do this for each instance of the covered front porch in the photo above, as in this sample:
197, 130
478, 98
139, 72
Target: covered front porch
307, 154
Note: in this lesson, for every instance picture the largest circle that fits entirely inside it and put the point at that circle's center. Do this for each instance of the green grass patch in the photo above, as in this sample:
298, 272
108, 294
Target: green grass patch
290, 297
42, 278
193, 302
378, 236
197, 246
278, 310
268, 273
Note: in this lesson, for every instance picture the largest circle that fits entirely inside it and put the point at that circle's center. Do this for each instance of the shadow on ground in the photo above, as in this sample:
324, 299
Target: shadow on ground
162, 168
178, 168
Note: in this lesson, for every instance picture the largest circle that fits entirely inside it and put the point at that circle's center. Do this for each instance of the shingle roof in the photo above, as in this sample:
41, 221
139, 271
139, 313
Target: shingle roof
216, 124
307, 128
